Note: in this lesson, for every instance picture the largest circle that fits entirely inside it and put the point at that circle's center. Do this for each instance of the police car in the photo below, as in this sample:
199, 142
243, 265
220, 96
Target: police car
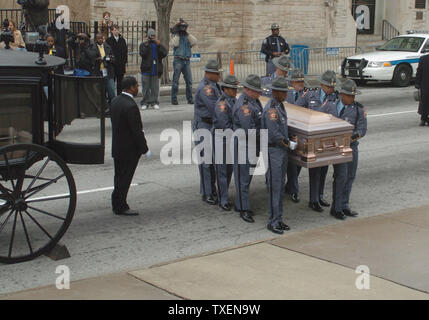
395, 61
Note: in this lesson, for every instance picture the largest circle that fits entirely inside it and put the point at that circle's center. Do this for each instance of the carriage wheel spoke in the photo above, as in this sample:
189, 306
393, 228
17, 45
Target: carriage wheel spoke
26, 233
49, 199
38, 174
6, 220
12, 238
6, 159
47, 213
29, 176
38, 224
43, 186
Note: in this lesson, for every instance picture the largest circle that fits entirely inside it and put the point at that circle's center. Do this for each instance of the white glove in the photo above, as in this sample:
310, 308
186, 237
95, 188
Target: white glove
148, 155
293, 145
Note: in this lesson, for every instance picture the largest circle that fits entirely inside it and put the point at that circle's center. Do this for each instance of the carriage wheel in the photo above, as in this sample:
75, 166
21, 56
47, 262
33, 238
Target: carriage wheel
37, 201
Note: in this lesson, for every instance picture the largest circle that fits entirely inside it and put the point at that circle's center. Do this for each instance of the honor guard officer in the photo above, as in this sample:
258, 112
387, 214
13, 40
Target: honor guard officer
299, 89
274, 46
246, 115
314, 100
353, 112
283, 66
222, 121
206, 97
274, 119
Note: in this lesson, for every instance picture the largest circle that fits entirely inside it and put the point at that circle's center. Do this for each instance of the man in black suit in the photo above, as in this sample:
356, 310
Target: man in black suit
422, 83
128, 143
120, 51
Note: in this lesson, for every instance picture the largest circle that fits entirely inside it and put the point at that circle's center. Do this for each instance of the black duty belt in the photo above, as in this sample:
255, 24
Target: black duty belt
186, 59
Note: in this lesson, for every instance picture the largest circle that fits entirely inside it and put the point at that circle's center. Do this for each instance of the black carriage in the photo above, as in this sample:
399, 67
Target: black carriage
37, 190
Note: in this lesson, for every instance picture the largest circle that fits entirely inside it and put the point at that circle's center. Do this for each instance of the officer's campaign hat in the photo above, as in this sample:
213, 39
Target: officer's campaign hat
280, 84
230, 82
297, 75
329, 78
275, 26
349, 87
283, 63
213, 67
253, 82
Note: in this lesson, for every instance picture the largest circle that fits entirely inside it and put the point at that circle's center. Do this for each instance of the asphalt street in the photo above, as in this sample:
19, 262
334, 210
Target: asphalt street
174, 223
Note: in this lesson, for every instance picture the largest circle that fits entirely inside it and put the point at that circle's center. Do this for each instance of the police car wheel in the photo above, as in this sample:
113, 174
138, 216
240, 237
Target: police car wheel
402, 76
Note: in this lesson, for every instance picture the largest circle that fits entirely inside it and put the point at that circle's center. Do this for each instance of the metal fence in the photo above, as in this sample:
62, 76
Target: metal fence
16, 15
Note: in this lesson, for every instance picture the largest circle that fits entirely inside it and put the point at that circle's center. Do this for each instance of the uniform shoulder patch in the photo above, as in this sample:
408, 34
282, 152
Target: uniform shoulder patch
272, 114
245, 109
222, 106
208, 90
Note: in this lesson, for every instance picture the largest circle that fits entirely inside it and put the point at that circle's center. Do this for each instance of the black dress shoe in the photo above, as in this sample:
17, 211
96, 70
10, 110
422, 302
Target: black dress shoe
191, 102
129, 213
295, 198
315, 206
284, 226
210, 200
350, 213
226, 207
338, 215
175, 103
275, 230
246, 216
324, 203
422, 123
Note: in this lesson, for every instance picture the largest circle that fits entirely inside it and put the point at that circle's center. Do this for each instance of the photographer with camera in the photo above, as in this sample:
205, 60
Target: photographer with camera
12, 37
152, 52
182, 42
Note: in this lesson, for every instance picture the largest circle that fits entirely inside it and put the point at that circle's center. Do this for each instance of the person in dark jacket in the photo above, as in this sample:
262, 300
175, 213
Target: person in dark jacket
128, 143
152, 52
120, 51
274, 46
422, 83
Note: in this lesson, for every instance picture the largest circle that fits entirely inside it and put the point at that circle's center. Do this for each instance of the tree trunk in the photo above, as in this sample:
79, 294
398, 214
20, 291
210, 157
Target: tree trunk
163, 11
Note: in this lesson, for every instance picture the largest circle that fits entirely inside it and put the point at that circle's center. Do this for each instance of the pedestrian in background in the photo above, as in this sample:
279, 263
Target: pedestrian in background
18, 43
422, 83
120, 52
274, 46
106, 24
128, 144
104, 63
182, 43
152, 52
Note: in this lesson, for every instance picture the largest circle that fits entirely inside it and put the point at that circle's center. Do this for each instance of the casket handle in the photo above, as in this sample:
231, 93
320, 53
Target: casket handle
330, 144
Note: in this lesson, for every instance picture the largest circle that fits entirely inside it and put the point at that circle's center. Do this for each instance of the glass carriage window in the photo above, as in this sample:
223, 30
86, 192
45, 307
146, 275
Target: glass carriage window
15, 115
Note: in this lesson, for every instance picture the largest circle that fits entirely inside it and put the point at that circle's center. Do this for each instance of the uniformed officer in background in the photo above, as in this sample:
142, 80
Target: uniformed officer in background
274, 119
247, 114
274, 46
206, 97
353, 112
299, 88
314, 100
222, 120
283, 66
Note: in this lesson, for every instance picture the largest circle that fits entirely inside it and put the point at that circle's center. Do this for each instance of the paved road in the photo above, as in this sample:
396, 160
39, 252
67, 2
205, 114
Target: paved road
393, 174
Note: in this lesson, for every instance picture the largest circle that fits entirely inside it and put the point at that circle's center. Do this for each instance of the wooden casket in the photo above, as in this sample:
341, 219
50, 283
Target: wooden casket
322, 138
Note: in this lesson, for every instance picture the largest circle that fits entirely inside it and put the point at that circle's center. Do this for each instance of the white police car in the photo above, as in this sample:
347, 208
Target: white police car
395, 61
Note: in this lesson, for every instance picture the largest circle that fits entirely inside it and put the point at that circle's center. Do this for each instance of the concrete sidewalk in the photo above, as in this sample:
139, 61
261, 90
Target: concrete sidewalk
316, 264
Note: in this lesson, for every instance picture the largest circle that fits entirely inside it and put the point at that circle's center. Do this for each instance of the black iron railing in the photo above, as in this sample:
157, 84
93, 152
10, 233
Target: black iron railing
16, 15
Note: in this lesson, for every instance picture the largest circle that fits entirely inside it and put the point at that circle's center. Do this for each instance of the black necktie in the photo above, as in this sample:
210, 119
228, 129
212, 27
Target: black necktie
296, 96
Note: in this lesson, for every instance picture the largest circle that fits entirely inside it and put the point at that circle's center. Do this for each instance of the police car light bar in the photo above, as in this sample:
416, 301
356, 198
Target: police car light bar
417, 31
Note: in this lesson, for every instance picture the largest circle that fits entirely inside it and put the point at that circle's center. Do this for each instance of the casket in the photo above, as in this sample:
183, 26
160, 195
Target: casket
322, 138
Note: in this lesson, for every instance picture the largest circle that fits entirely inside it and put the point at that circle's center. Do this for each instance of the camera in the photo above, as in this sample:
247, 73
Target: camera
180, 28
6, 35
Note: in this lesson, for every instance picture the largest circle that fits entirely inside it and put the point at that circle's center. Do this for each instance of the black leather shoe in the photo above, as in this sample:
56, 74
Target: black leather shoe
295, 198
246, 216
324, 203
175, 103
275, 230
315, 206
350, 213
226, 207
284, 226
422, 123
210, 200
129, 213
338, 215
191, 102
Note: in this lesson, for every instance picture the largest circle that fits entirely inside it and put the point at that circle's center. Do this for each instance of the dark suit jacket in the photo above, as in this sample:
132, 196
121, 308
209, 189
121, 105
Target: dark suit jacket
422, 81
128, 138
88, 60
120, 51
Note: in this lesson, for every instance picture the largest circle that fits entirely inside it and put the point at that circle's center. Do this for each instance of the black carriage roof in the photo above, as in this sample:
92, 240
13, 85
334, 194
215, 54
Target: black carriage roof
18, 59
